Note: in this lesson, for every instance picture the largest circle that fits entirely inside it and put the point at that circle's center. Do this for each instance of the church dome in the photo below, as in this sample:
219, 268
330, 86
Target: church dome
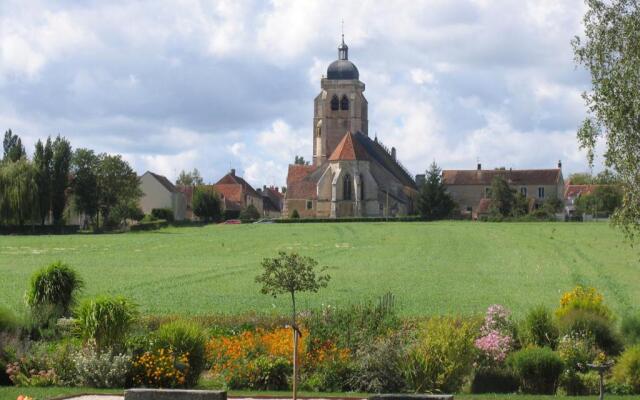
342, 68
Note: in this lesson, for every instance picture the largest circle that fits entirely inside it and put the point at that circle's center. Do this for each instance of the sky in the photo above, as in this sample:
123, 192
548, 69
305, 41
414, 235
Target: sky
178, 84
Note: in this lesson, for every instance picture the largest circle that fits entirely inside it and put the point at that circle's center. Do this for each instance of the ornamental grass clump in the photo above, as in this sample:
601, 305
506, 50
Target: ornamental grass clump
55, 286
627, 370
184, 338
106, 321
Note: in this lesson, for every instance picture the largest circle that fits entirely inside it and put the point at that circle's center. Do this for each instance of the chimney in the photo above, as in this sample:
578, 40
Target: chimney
233, 171
393, 153
420, 180
479, 166
559, 164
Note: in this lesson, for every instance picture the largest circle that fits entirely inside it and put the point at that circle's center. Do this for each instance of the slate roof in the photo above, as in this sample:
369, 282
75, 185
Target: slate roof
164, 182
513, 177
377, 152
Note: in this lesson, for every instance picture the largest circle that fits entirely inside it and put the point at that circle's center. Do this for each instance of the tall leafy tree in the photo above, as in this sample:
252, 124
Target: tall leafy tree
118, 184
18, 192
503, 198
434, 202
206, 204
61, 167
12, 146
609, 51
85, 182
43, 162
191, 178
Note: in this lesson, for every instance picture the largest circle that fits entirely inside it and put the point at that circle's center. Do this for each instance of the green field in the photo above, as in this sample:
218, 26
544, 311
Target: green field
432, 268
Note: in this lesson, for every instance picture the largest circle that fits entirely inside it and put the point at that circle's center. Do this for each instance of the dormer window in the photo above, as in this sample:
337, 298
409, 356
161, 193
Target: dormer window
344, 103
335, 103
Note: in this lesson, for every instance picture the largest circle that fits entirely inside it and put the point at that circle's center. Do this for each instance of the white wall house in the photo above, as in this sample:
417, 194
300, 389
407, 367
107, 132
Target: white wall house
159, 192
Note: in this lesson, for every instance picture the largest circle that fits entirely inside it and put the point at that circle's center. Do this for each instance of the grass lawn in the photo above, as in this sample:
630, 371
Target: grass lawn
432, 268
11, 393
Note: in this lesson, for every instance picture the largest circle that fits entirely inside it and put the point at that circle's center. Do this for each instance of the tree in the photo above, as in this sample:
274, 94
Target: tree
250, 213
502, 197
13, 148
609, 51
291, 274
85, 182
299, 160
206, 204
43, 162
18, 192
603, 199
434, 202
61, 164
117, 184
581, 178
192, 178
295, 214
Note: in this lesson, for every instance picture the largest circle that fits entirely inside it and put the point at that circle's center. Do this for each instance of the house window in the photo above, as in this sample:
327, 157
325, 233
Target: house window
523, 191
487, 192
346, 187
344, 103
335, 103
541, 192
309, 204
469, 209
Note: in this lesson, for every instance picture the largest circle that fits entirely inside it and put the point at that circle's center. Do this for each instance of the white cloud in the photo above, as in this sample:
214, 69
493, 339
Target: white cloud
422, 77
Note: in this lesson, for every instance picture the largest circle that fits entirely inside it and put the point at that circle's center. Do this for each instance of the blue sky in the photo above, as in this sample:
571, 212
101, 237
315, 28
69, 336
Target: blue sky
173, 85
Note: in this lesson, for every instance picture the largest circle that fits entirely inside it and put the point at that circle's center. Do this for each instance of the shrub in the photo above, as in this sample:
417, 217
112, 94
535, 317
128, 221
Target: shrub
495, 339
101, 369
268, 373
8, 321
629, 327
539, 328
538, 369
627, 370
63, 362
32, 366
584, 299
600, 328
494, 380
378, 365
332, 375
295, 214
576, 351
162, 213
184, 338
442, 357
106, 320
163, 368
206, 203
250, 213
55, 285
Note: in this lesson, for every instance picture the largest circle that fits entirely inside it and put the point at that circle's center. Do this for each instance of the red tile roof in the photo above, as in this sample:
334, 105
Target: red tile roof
578, 190
348, 150
299, 186
514, 177
231, 178
231, 194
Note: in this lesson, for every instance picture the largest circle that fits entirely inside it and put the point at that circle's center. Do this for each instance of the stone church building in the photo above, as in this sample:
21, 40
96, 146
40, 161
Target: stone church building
351, 174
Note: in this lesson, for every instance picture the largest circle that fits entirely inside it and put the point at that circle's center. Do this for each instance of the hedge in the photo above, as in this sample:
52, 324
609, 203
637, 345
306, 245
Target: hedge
149, 226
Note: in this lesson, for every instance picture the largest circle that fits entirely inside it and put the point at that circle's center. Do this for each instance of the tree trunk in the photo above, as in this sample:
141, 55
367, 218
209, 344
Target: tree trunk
294, 327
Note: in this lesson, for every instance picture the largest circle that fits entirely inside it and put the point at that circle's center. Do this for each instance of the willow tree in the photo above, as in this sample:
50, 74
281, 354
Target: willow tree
18, 192
289, 274
609, 50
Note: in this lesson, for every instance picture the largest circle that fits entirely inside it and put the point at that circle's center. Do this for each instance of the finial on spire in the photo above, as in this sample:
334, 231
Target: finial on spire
343, 49
342, 22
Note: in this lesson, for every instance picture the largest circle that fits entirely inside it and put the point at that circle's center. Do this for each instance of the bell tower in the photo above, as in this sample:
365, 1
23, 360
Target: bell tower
340, 107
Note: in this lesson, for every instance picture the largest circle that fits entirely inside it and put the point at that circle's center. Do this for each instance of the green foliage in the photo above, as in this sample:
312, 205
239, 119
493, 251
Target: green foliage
580, 178
101, 369
295, 214
191, 178
60, 168
162, 213
553, 205
576, 351
85, 182
184, 338
492, 380
106, 320
291, 273
8, 321
630, 328
206, 203
122, 213
434, 202
56, 285
378, 365
13, 148
627, 369
603, 200
43, 162
250, 213
18, 192
537, 368
299, 160
601, 329
502, 197
539, 328
442, 356
608, 50
117, 184
268, 373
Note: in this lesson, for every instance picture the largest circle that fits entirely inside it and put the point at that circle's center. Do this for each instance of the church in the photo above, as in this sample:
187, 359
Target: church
351, 174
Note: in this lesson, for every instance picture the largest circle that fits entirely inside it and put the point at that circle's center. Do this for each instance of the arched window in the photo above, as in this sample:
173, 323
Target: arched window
344, 103
335, 103
361, 187
346, 187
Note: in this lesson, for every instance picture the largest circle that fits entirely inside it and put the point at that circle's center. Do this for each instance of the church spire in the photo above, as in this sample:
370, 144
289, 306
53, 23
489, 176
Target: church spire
343, 49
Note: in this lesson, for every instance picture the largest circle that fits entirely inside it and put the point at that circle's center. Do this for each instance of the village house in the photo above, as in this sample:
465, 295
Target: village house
272, 201
159, 192
236, 194
471, 189
352, 175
